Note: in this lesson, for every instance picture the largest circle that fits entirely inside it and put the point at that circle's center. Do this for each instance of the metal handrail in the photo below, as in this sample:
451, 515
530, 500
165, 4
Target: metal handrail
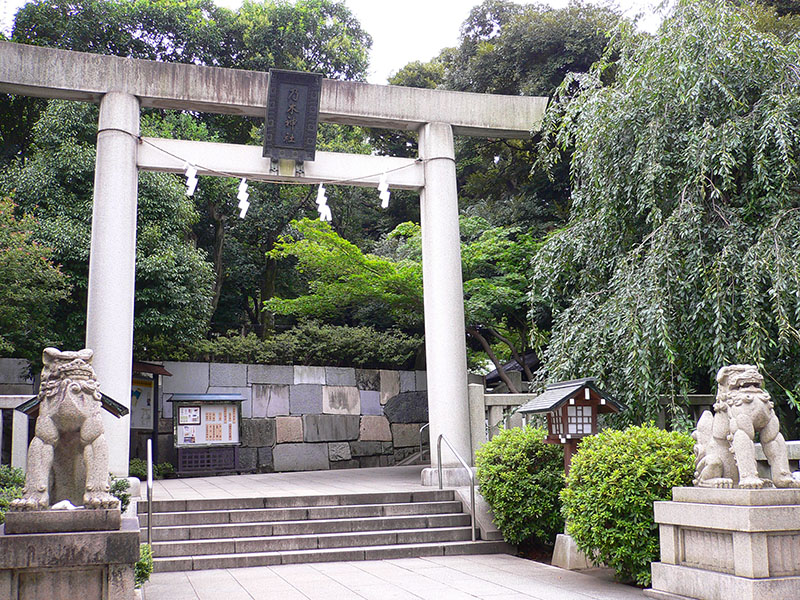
150, 492
469, 471
421, 429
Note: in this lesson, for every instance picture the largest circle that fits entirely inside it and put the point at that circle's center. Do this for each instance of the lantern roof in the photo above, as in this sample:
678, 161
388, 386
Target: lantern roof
556, 395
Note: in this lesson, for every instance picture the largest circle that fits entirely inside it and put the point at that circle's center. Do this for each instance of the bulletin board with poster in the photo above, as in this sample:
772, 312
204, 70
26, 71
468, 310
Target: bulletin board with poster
205, 420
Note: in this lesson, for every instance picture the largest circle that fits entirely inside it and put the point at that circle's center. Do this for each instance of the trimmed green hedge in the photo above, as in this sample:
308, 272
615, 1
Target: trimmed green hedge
613, 481
520, 477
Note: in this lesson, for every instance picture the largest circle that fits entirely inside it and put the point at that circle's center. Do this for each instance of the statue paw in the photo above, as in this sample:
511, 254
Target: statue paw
716, 482
751, 483
786, 482
99, 500
32, 501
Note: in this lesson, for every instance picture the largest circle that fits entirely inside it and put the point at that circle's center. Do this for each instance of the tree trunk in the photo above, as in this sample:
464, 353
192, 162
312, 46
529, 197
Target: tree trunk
219, 242
488, 349
514, 353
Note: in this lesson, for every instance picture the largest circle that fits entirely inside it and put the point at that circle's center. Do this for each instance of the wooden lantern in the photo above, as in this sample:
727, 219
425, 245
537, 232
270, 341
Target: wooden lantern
572, 408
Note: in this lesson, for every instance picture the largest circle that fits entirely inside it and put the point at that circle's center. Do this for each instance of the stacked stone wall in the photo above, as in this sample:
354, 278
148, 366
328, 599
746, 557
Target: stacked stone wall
298, 418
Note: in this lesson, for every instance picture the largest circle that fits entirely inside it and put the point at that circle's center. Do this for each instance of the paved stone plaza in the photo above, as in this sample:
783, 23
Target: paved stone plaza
488, 577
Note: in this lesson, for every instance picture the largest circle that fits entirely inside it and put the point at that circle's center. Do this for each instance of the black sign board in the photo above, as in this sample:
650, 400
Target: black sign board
290, 130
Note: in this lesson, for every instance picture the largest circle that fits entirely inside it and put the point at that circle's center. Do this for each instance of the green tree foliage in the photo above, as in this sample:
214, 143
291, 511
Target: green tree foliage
54, 184
520, 477
507, 48
681, 253
346, 285
384, 290
613, 481
309, 35
31, 286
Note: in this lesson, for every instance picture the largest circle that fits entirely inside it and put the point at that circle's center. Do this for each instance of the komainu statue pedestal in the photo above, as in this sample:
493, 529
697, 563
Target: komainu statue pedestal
44, 559
728, 544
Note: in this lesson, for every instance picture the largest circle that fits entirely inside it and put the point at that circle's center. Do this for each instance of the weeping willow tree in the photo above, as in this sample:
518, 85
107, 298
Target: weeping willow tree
682, 251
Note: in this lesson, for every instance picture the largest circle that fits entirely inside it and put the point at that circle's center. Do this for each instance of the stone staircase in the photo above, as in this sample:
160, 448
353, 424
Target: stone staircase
248, 532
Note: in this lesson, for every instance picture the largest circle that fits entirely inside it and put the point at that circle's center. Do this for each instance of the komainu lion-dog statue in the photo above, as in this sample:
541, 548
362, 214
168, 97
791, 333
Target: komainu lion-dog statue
724, 450
68, 457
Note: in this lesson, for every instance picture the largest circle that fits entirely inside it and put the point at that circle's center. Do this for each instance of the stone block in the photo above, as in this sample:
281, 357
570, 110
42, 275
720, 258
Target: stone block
368, 380
227, 375
340, 376
15, 371
728, 543
359, 449
330, 428
386, 461
408, 407
375, 428
288, 429
405, 435
270, 400
303, 374
371, 403
275, 374
339, 451
72, 550
341, 400
567, 556
258, 432
60, 521
422, 380
400, 454
305, 399
366, 462
245, 392
345, 464
266, 462
390, 385
248, 459
408, 381
301, 457
187, 378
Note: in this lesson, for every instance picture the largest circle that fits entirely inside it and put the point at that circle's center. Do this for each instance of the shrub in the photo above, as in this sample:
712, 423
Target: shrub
144, 566
163, 470
12, 480
138, 468
613, 481
119, 489
520, 477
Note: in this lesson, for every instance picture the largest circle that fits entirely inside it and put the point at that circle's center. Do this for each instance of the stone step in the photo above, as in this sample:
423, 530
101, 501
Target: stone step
255, 515
257, 559
299, 527
210, 504
289, 543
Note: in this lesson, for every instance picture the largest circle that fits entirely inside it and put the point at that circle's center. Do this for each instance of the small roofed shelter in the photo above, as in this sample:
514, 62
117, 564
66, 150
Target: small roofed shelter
572, 408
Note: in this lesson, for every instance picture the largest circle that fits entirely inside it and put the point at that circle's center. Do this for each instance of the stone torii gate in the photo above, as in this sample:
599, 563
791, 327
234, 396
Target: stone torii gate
123, 86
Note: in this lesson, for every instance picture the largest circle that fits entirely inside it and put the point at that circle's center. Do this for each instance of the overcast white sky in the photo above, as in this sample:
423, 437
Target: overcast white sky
403, 30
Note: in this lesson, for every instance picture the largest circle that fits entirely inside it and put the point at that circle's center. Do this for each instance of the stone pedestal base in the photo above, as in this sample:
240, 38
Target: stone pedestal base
61, 521
451, 476
90, 565
567, 556
719, 544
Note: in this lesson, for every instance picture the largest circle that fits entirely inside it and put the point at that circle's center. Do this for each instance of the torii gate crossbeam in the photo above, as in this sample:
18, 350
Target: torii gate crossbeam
123, 86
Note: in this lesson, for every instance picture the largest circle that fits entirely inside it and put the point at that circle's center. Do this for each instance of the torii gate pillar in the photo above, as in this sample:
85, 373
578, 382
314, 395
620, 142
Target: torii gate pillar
112, 264
445, 348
